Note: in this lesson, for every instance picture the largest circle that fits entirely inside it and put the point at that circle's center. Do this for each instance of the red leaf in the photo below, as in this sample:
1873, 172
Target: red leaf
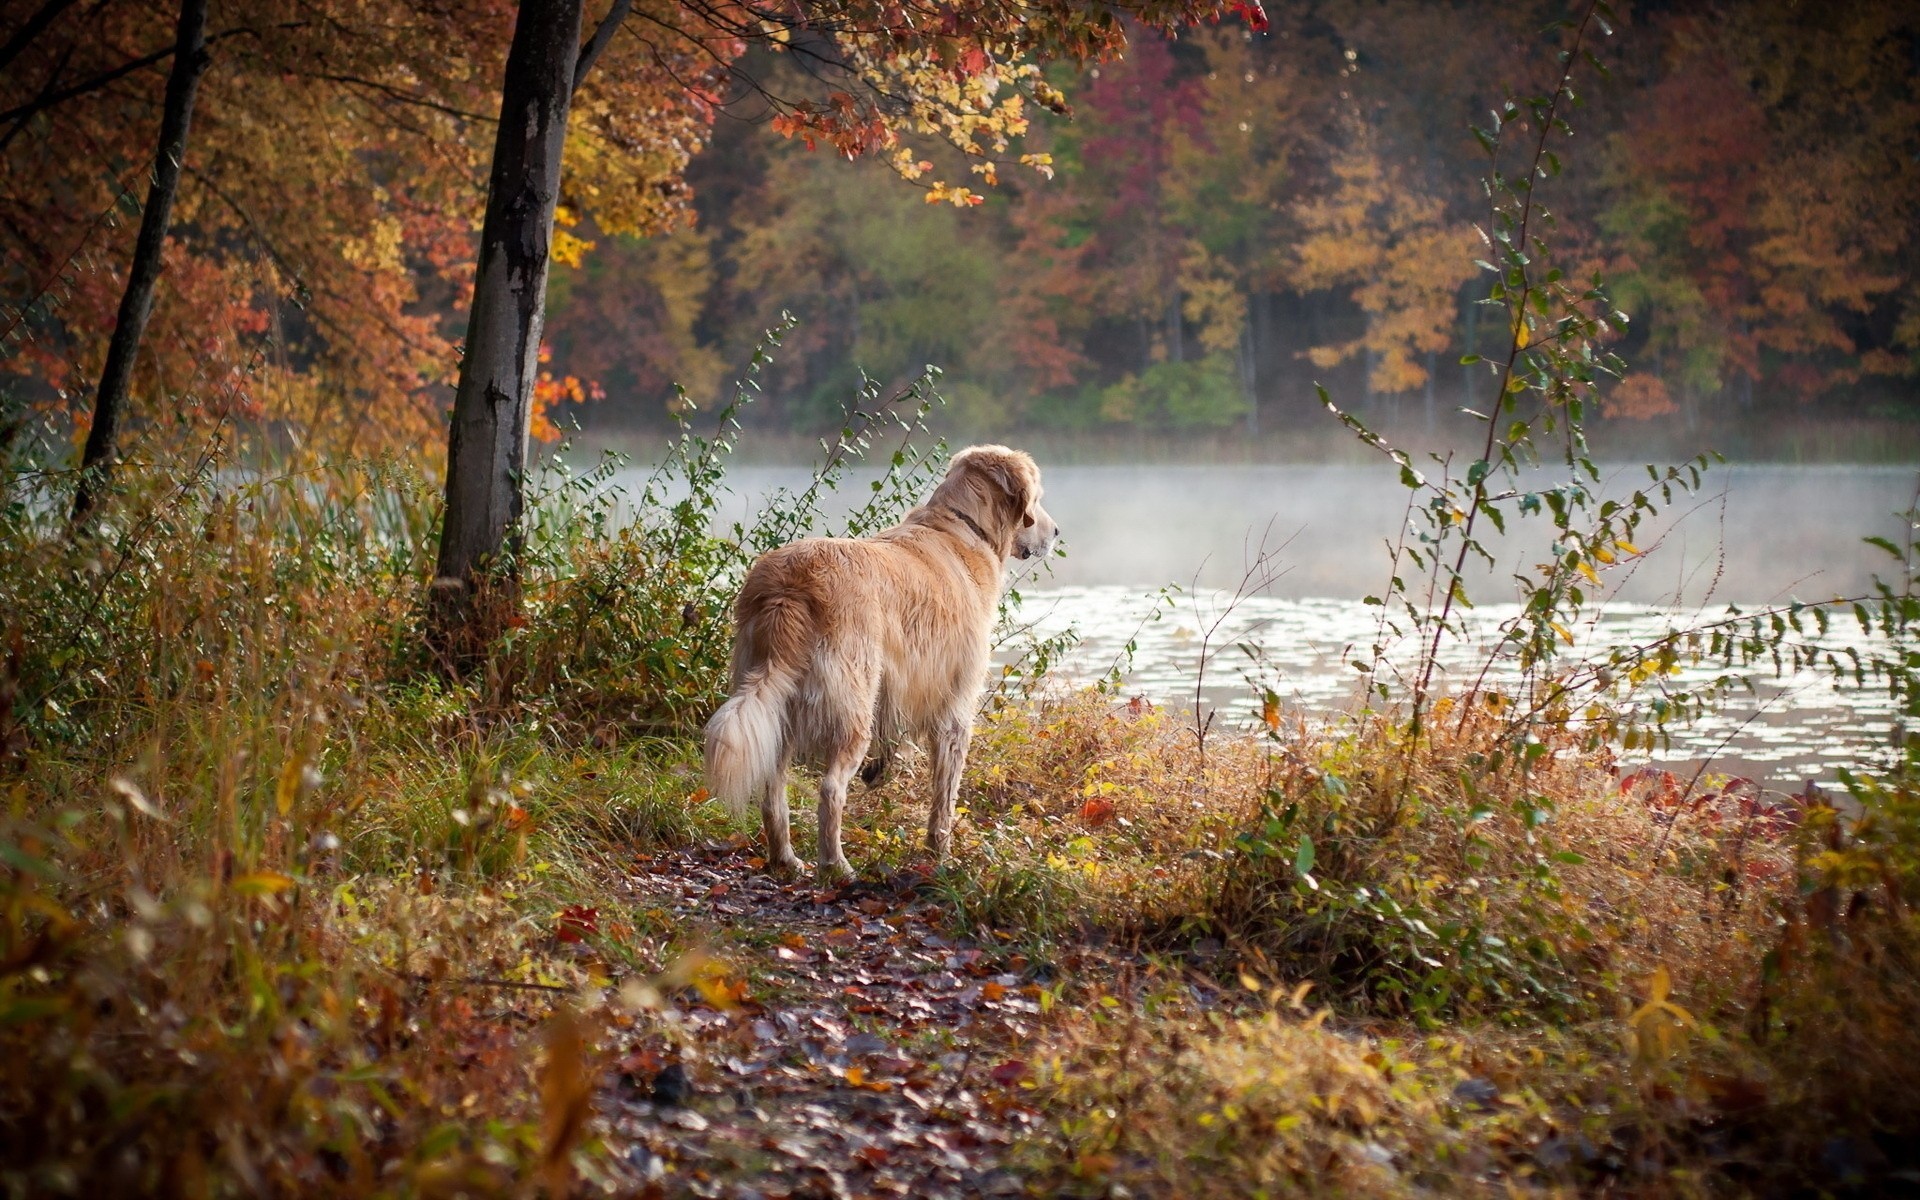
576, 922
1097, 811
1010, 1072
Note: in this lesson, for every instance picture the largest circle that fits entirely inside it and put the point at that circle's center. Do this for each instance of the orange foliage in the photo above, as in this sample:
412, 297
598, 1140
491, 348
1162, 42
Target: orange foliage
1638, 397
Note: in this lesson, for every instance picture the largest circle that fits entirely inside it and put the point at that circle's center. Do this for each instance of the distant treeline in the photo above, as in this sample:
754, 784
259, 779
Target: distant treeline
1228, 218
1221, 221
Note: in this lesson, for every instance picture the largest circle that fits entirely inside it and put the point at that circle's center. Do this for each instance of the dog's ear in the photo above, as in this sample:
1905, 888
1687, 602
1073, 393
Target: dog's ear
1004, 473
1009, 475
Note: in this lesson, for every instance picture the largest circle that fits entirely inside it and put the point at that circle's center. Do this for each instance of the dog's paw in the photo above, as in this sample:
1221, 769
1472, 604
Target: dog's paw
835, 871
789, 867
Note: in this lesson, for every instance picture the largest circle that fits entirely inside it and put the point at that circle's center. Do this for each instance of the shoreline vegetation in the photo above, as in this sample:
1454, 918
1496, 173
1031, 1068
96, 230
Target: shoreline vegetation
287, 912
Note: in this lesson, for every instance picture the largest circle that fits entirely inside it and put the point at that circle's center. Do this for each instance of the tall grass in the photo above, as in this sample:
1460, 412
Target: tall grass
279, 899
282, 905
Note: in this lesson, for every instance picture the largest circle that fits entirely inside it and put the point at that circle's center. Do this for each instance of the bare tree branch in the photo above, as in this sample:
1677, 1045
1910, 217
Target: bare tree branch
21, 113
31, 29
597, 44
404, 96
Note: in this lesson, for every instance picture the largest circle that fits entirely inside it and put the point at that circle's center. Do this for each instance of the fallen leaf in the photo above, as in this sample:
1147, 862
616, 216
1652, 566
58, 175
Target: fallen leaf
575, 922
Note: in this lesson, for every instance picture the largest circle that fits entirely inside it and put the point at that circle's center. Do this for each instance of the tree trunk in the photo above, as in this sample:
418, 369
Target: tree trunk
487, 444
1249, 369
143, 274
1176, 327
1433, 370
1472, 347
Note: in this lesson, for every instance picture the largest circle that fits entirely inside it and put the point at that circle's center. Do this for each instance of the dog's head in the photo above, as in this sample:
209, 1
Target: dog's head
999, 491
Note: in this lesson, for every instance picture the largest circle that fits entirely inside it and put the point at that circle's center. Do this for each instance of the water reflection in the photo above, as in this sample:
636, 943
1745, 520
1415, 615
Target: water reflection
1785, 730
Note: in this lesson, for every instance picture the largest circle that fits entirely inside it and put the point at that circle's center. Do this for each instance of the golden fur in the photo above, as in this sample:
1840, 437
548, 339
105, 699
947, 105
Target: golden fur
842, 642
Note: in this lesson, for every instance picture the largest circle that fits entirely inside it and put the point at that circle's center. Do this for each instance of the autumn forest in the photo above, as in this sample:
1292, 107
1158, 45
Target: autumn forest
1223, 219
1453, 728
1229, 217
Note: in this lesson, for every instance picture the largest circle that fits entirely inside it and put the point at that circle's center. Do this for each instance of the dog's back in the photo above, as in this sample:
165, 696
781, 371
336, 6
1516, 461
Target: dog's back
836, 636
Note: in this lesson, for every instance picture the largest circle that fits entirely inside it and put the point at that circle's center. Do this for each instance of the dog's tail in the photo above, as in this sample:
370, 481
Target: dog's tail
746, 738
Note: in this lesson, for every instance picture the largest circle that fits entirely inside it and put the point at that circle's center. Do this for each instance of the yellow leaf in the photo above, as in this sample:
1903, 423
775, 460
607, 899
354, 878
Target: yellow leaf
1521, 334
1566, 635
710, 980
569, 250
1627, 547
1603, 554
262, 883
1659, 986
1587, 570
1270, 712
288, 789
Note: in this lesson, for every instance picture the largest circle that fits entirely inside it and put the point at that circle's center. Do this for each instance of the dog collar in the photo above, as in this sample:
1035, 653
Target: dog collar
975, 526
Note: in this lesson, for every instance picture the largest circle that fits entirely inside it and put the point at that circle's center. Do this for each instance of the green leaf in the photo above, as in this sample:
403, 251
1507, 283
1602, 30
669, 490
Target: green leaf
1303, 858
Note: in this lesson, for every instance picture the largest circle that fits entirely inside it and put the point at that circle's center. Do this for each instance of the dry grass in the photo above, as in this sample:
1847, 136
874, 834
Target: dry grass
279, 912
1444, 883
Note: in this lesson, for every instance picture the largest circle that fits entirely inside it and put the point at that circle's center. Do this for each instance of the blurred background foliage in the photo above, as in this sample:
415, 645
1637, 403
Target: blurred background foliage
1223, 220
1233, 215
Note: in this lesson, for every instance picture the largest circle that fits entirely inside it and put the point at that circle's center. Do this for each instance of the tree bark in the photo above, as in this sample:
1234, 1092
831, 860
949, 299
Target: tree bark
475, 590
143, 274
1249, 367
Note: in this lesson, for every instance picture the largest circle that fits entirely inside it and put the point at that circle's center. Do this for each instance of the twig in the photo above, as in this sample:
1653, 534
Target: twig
485, 981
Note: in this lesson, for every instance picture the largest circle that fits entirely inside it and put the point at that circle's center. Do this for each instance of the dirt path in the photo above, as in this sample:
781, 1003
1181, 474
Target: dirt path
874, 1055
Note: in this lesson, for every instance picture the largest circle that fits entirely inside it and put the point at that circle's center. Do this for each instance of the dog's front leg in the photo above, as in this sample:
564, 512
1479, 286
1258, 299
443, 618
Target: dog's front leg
950, 739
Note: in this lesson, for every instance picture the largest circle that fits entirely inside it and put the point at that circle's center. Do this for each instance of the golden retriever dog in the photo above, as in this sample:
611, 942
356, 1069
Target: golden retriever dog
845, 643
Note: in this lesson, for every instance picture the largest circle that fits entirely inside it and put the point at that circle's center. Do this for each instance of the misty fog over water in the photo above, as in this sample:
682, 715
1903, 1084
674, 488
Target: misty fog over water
1753, 535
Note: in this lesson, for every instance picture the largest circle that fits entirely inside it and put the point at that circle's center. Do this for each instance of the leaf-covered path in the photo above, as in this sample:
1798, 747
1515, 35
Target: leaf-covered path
871, 1055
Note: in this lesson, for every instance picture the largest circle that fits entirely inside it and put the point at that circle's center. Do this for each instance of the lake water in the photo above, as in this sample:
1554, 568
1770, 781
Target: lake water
1755, 535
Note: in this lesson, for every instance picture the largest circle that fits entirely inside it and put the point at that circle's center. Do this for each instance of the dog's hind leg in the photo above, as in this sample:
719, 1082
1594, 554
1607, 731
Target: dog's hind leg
773, 818
950, 738
848, 691
841, 762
